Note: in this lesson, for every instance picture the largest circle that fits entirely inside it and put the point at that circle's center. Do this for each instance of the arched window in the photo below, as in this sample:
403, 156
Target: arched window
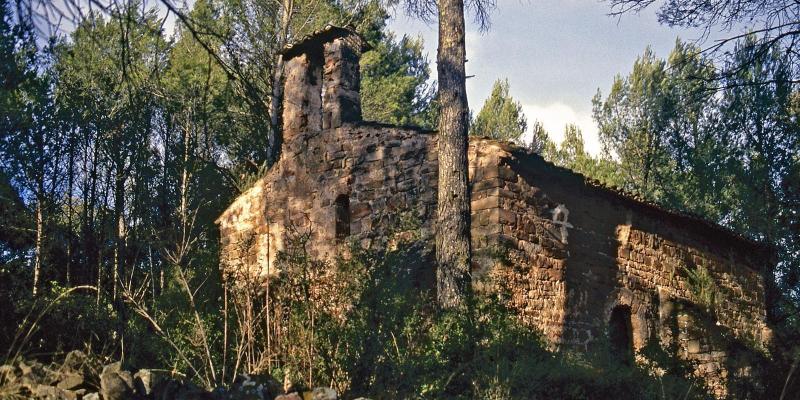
620, 334
342, 206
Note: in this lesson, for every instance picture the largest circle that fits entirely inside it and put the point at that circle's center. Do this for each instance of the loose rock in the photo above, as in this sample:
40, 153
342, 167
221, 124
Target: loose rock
324, 393
145, 380
290, 396
70, 381
115, 384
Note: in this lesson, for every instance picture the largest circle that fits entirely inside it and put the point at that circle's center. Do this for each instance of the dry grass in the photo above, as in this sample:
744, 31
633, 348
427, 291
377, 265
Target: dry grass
10, 387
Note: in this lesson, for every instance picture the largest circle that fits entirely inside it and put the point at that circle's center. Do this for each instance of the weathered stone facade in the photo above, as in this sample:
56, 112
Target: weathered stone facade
580, 260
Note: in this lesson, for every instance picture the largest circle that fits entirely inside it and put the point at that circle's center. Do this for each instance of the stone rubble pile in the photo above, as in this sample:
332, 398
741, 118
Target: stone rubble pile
80, 377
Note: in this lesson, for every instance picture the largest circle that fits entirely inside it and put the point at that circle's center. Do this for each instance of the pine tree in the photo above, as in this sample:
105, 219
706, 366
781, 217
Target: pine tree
501, 117
632, 121
394, 83
540, 140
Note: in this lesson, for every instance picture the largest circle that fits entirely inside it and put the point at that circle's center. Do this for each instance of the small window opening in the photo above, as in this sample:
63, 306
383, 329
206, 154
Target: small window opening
342, 205
620, 334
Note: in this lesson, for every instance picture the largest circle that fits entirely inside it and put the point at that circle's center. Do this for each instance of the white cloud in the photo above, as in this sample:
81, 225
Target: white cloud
555, 116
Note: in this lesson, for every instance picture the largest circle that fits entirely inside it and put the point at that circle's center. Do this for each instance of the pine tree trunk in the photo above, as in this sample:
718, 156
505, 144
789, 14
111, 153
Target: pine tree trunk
37, 261
119, 234
119, 256
452, 235
70, 183
183, 210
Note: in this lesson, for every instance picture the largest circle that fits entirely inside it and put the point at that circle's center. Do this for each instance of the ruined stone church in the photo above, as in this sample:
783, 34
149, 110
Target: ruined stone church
583, 263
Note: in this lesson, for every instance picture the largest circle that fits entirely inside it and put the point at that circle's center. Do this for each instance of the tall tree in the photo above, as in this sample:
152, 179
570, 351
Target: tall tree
632, 121
540, 139
696, 155
501, 117
453, 249
774, 23
31, 144
764, 140
394, 83
106, 74
658, 122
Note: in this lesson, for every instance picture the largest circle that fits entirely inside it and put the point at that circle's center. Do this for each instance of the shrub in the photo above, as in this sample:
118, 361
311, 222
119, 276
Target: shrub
386, 339
43, 321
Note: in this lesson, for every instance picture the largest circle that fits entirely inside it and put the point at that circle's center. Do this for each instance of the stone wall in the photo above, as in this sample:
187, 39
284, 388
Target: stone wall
569, 253
387, 175
577, 251
383, 173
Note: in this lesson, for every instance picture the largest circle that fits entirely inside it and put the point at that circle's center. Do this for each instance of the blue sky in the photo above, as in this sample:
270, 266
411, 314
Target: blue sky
555, 54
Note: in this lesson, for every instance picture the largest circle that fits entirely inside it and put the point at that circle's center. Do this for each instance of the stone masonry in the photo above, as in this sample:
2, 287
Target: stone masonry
580, 261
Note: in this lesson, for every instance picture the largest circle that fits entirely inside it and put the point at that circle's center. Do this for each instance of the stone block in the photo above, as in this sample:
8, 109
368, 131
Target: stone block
70, 381
485, 203
693, 346
507, 217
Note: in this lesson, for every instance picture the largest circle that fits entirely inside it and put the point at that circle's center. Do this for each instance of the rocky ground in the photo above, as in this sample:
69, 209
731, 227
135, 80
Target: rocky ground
79, 377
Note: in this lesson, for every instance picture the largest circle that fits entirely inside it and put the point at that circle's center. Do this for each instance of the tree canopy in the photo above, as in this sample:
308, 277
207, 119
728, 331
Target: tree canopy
772, 25
501, 117
729, 155
121, 145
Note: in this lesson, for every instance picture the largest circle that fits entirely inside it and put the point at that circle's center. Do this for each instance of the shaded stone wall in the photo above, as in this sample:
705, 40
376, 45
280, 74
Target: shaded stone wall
514, 243
577, 251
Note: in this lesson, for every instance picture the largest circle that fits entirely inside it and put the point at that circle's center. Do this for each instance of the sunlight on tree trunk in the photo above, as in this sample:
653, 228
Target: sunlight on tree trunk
37, 263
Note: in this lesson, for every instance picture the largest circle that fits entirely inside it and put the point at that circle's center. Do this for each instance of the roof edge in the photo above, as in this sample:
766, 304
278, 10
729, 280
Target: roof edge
641, 201
317, 38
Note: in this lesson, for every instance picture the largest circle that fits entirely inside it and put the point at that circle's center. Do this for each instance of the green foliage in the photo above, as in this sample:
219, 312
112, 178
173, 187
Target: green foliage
571, 154
44, 319
632, 120
17, 67
16, 220
540, 140
394, 83
128, 145
721, 141
501, 117
702, 285
380, 335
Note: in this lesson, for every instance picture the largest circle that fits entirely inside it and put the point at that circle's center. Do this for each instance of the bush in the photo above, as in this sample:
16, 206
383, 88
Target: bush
366, 325
43, 323
390, 341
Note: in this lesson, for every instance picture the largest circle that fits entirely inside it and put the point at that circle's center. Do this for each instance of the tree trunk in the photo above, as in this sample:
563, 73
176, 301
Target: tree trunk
91, 243
119, 255
37, 260
276, 99
452, 235
119, 234
70, 183
183, 210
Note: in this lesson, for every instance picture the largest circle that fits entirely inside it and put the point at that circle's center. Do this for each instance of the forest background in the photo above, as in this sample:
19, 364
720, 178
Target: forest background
120, 145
